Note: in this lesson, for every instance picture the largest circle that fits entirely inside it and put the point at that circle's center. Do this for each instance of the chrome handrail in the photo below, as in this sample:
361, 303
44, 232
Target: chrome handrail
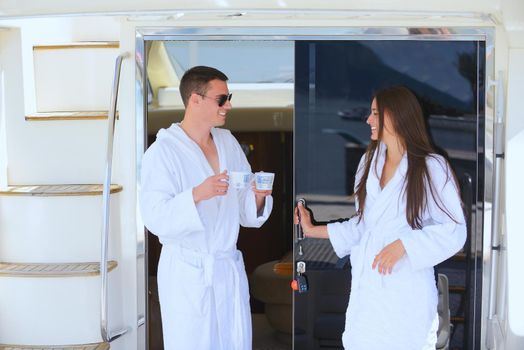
498, 150
106, 336
141, 320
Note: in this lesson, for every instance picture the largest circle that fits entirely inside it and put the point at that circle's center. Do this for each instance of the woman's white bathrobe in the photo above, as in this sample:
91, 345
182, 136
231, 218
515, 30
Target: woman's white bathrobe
202, 282
396, 311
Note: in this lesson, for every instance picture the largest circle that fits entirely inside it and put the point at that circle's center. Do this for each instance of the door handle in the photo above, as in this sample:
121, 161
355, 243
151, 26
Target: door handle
300, 232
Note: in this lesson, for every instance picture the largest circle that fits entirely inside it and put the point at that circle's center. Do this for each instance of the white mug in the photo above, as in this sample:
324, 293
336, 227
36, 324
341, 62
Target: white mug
239, 179
264, 181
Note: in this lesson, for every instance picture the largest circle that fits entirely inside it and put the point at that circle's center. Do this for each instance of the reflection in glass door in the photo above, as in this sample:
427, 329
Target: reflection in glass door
334, 82
262, 121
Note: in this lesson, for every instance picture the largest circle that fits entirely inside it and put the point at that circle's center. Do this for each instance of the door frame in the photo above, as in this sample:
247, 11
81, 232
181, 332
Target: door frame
481, 238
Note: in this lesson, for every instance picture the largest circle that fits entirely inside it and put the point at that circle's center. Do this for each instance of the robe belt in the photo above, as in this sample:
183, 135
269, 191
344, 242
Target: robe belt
230, 258
368, 241
208, 264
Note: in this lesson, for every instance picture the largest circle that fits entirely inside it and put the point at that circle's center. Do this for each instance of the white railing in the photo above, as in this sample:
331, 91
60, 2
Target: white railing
498, 150
106, 335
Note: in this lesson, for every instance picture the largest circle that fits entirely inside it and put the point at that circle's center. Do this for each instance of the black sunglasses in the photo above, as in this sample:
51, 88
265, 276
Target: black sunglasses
221, 99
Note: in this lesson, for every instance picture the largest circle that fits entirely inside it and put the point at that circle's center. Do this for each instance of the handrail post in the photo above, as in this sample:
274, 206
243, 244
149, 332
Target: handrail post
498, 150
106, 336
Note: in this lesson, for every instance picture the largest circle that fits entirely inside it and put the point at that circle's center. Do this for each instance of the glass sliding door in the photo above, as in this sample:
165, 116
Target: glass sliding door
301, 97
261, 119
334, 84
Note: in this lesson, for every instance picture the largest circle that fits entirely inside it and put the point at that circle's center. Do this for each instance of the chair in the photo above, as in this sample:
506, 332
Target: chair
444, 325
271, 284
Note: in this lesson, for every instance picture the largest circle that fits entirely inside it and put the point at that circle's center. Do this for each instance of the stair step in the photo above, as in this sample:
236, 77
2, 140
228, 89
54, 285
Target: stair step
74, 76
53, 269
57, 190
95, 346
80, 45
50, 116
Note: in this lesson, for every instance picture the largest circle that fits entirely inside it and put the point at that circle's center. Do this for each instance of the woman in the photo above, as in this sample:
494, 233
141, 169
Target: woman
409, 218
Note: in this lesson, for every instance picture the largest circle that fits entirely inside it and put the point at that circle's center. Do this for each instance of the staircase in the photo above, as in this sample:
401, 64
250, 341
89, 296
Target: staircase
51, 212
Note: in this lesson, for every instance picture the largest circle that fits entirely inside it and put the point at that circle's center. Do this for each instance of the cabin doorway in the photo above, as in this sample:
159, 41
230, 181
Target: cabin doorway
262, 122
334, 85
304, 103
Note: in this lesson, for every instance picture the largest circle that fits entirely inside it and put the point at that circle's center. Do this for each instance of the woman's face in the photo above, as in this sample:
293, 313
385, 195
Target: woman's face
373, 120
388, 133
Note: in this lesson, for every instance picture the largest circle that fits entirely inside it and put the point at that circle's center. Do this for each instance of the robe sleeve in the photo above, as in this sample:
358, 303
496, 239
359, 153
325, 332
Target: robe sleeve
246, 200
167, 211
441, 236
345, 235
248, 209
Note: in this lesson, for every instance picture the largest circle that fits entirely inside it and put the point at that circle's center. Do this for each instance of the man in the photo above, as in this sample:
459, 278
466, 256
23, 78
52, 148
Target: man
185, 200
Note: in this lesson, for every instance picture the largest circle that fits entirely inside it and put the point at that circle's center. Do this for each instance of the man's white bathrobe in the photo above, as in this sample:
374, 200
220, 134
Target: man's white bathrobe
396, 311
202, 282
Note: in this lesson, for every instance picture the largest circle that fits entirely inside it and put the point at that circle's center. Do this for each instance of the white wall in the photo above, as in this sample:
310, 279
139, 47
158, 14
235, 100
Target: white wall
514, 195
513, 19
3, 132
13, 94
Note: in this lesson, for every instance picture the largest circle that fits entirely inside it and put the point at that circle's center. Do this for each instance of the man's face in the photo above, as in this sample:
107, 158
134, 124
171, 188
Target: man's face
209, 109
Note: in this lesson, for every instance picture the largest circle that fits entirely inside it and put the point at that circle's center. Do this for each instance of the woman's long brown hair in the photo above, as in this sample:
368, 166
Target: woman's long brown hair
406, 118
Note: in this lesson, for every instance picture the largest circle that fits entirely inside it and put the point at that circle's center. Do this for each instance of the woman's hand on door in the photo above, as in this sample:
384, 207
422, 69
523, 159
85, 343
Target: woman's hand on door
303, 216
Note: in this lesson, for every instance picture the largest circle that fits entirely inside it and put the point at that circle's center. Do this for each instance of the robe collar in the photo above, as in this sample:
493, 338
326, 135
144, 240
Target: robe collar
380, 202
194, 147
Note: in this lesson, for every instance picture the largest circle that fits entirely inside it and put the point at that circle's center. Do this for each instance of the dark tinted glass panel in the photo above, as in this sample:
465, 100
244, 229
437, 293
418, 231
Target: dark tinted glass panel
335, 82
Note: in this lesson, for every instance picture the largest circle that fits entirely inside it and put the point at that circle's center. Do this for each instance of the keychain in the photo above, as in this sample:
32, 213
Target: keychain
299, 284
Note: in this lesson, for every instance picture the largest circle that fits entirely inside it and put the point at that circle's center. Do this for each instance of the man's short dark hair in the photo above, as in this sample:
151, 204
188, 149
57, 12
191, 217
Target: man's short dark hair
196, 80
